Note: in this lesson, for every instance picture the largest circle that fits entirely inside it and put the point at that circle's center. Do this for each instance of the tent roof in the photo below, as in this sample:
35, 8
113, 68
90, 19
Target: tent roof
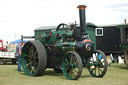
17, 41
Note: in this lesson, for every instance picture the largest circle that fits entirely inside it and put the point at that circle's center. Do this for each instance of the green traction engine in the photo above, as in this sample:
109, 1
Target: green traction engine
68, 49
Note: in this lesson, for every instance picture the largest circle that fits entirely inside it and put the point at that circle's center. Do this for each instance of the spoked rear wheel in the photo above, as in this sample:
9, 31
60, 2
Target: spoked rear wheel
97, 64
34, 58
126, 57
72, 65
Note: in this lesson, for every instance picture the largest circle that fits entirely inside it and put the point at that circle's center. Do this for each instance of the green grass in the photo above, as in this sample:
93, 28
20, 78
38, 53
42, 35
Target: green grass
117, 74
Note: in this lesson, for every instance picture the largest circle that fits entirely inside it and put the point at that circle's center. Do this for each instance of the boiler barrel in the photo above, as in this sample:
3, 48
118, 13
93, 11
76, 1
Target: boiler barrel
64, 47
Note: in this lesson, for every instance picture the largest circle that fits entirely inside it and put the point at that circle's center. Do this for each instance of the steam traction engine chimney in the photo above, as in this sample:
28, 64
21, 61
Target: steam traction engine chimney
82, 19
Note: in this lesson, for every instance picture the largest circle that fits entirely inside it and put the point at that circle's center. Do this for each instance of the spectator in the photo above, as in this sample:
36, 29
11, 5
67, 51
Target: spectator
18, 55
6, 46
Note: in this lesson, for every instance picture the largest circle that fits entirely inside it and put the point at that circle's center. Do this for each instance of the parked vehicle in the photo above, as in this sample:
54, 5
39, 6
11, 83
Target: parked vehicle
7, 54
67, 50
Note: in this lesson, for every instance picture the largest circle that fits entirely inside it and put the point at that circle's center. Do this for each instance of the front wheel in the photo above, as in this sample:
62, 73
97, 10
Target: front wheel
72, 65
97, 64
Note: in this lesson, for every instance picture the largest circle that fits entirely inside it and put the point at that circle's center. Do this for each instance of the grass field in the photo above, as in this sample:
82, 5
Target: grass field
117, 74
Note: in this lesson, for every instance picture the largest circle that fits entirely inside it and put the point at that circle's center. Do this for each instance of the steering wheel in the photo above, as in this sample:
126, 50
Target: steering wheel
62, 24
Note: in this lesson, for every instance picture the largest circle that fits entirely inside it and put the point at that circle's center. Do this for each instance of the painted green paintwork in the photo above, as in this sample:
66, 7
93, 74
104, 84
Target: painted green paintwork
64, 47
124, 46
39, 31
91, 31
60, 46
69, 34
122, 26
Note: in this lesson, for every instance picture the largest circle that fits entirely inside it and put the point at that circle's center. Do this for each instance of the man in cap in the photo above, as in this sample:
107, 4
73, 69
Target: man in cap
18, 55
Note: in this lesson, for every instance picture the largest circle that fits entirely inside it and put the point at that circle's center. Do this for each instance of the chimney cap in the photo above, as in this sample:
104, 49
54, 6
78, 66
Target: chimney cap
125, 21
81, 7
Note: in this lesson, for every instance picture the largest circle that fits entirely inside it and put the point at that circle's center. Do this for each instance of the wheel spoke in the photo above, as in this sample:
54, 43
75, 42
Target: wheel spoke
75, 62
32, 69
75, 70
28, 47
102, 66
66, 61
67, 68
32, 50
35, 53
100, 70
95, 71
70, 58
26, 55
92, 70
70, 73
35, 59
29, 64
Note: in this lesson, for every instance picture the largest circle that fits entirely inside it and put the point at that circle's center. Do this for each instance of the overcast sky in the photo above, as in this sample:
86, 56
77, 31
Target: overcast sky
21, 17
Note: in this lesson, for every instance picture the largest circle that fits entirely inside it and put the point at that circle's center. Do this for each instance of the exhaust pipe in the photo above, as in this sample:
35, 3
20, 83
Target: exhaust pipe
82, 19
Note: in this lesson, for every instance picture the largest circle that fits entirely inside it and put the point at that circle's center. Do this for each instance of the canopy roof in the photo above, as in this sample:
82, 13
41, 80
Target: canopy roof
17, 41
